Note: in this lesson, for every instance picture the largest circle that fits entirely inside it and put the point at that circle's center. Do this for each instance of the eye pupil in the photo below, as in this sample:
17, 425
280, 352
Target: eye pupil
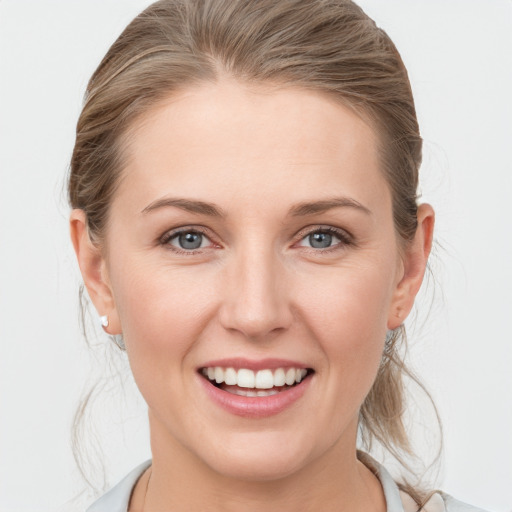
190, 240
320, 240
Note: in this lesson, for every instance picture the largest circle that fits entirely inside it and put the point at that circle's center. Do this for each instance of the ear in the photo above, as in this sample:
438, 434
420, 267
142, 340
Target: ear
414, 264
94, 270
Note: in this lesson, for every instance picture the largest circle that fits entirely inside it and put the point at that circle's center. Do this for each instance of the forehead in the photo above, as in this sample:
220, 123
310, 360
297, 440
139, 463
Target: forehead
225, 139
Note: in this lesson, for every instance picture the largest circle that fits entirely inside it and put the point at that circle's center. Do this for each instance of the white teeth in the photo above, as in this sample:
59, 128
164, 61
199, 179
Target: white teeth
246, 378
267, 393
252, 393
263, 379
300, 374
290, 376
219, 375
279, 377
230, 377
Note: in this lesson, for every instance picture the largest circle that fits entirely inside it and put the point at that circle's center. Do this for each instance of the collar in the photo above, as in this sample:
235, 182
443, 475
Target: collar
118, 498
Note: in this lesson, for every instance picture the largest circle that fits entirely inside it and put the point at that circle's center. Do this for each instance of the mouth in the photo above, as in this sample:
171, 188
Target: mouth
250, 383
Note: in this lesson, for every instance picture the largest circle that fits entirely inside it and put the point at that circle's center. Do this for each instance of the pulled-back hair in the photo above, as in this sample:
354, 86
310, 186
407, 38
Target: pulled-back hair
329, 46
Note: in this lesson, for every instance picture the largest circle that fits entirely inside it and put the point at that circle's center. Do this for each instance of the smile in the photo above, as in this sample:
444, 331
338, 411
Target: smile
255, 389
261, 383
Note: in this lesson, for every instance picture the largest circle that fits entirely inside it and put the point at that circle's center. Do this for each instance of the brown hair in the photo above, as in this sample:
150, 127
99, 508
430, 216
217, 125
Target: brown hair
330, 46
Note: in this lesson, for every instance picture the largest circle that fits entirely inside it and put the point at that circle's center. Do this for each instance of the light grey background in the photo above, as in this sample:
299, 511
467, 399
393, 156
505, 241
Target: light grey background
459, 56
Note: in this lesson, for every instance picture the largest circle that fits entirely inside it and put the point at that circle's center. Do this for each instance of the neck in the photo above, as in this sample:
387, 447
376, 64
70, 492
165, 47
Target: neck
180, 481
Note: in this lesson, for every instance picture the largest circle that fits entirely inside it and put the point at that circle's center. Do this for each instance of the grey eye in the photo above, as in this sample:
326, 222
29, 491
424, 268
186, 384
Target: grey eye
188, 240
320, 240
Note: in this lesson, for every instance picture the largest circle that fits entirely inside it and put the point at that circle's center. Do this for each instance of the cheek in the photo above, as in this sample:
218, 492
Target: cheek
162, 312
348, 304
346, 310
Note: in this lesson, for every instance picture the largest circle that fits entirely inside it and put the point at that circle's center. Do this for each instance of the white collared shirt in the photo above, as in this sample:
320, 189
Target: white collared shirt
118, 498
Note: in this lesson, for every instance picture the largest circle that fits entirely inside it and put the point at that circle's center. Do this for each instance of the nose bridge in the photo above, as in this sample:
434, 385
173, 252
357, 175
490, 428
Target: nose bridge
256, 299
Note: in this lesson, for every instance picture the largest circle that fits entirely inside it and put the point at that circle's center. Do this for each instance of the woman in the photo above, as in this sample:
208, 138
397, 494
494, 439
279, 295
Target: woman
244, 193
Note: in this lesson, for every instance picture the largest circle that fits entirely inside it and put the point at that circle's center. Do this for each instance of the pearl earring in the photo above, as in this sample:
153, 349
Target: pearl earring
116, 338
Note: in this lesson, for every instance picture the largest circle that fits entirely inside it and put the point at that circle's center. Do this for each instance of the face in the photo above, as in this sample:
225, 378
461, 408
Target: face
251, 242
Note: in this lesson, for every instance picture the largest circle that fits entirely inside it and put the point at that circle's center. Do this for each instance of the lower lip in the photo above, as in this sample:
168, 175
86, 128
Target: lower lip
255, 407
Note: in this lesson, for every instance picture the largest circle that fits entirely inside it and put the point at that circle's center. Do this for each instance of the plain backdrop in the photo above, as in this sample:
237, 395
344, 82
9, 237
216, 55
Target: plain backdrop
459, 56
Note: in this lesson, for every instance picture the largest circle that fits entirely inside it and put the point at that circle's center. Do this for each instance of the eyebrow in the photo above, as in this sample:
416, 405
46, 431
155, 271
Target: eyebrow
298, 210
310, 208
189, 205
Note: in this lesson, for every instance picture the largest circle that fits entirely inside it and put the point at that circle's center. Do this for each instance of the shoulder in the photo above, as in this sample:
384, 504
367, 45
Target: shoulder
118, 498
438, 502
453, 505
398, 500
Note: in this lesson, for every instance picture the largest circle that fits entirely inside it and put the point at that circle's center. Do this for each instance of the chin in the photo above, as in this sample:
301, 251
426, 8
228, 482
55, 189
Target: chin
257, 469
260, 460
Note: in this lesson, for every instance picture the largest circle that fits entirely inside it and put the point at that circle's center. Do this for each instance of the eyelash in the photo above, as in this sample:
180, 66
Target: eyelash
166, 238
345, 239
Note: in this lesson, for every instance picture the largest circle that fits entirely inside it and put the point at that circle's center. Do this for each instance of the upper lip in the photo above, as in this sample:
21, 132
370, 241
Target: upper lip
253, 364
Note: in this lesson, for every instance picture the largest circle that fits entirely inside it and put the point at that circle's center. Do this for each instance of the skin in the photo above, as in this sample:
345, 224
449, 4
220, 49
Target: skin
255, 289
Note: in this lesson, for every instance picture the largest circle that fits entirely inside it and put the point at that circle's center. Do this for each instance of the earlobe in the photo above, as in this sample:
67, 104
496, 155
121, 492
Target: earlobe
414, 266
93, 269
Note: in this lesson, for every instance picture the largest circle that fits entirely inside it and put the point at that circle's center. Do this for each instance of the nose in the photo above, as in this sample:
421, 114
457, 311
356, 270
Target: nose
256, 295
